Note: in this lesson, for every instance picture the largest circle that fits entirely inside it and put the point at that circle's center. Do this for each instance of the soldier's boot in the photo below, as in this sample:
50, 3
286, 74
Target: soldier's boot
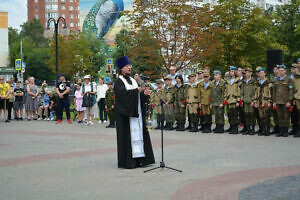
166, 126
235, 129
294, 129
177, 125
221, 128
251, 130
195, 128
229, 129
276, 129
204, 128
267, 131
285, 131
246, 130
260, 130
158, 116
189, 126
297, 133
280, 132
208, 128
216, 129
171, 128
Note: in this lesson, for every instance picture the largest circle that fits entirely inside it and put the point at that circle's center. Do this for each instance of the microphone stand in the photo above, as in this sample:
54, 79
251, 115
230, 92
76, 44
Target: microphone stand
162, 162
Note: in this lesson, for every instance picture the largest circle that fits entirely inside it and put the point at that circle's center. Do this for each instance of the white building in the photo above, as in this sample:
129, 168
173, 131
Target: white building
3, 39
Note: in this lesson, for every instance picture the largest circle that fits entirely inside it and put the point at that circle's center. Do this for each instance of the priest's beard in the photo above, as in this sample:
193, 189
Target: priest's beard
127, 77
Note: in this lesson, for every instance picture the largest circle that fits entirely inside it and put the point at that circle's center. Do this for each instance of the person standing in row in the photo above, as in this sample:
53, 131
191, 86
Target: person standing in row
296, 101
294, 113
4, 95
88, 91
205, 102
169, 106
101, 91
192, 99
78, 103
217, 101
63, 90
32, 99
232, 99
262, 101
276, 128
19, 99
156, 104
180, 103
199, 80
282, 97
247, 95
110, 105
11, 98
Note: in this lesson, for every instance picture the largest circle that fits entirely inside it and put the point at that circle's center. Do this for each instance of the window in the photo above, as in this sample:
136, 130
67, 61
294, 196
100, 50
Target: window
36, 8
71, 24
36, 1
63, 15
63, 7
36, 16
71, 1
78, 24
51, 7
52, 15
71, 16
71, 8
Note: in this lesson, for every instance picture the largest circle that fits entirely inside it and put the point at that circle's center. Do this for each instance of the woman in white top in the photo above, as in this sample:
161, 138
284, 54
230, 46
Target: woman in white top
101, 91
89, 87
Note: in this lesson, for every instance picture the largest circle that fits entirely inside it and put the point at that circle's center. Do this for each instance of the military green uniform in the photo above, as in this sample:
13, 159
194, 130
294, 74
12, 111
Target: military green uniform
217, 98
232, 97
192, 104
297, 101
262, 99
156, 105
273, 111
110, 104
247, 96
180, 105
283, 93
205, 101
169, 108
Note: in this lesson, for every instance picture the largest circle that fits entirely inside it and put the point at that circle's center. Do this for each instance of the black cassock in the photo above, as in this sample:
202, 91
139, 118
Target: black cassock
126, 105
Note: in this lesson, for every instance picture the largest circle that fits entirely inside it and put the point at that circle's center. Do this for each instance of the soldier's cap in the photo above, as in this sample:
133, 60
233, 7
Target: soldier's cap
206, 74
261, 69
217, 72
248, 69
110, 83
282, 67
168, 78
298, 59
200, 71
233, 68
258, 68
192, 75
179, 76
294, 65
158, 81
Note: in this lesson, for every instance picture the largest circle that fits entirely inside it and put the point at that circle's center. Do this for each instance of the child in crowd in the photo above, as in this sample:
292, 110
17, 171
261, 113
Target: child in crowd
18, 104
110, 105
44, 108
52, 105
78, 103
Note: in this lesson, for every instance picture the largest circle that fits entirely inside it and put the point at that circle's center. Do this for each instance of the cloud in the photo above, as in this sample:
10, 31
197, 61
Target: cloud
17, 11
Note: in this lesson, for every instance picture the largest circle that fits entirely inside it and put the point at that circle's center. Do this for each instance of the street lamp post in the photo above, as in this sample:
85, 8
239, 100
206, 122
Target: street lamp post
56, 23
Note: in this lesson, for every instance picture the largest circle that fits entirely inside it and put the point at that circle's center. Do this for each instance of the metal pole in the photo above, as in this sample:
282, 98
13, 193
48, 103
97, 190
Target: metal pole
56, 52
20, 72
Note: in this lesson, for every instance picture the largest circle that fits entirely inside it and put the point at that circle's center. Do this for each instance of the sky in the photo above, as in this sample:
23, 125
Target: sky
17, 12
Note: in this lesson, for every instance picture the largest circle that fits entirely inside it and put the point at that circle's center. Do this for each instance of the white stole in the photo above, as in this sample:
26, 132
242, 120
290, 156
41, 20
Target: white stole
136, 124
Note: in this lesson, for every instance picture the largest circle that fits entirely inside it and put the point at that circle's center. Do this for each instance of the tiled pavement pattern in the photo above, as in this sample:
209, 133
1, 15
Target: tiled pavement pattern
44, 161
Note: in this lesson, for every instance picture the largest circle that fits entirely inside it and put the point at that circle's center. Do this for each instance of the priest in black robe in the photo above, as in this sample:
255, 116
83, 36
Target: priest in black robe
133, 139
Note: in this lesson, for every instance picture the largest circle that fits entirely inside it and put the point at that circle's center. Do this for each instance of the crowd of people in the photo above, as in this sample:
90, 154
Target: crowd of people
244, 98
40, 103
247, 99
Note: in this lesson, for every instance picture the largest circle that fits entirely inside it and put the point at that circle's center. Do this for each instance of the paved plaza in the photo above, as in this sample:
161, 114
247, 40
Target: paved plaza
40, 160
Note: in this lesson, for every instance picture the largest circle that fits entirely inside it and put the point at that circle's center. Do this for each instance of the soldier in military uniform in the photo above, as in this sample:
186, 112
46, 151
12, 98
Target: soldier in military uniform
110, 105
156, 104
263, 101
276, 128
247, 95
199, 80
232, 100
296, 101
205, 102
169, 106
192, 101
294, 114
282, 98
180, 102
217, 101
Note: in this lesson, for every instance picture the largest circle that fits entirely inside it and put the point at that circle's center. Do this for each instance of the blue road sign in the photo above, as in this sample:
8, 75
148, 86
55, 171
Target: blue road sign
107, 79
23, 65
18, 64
